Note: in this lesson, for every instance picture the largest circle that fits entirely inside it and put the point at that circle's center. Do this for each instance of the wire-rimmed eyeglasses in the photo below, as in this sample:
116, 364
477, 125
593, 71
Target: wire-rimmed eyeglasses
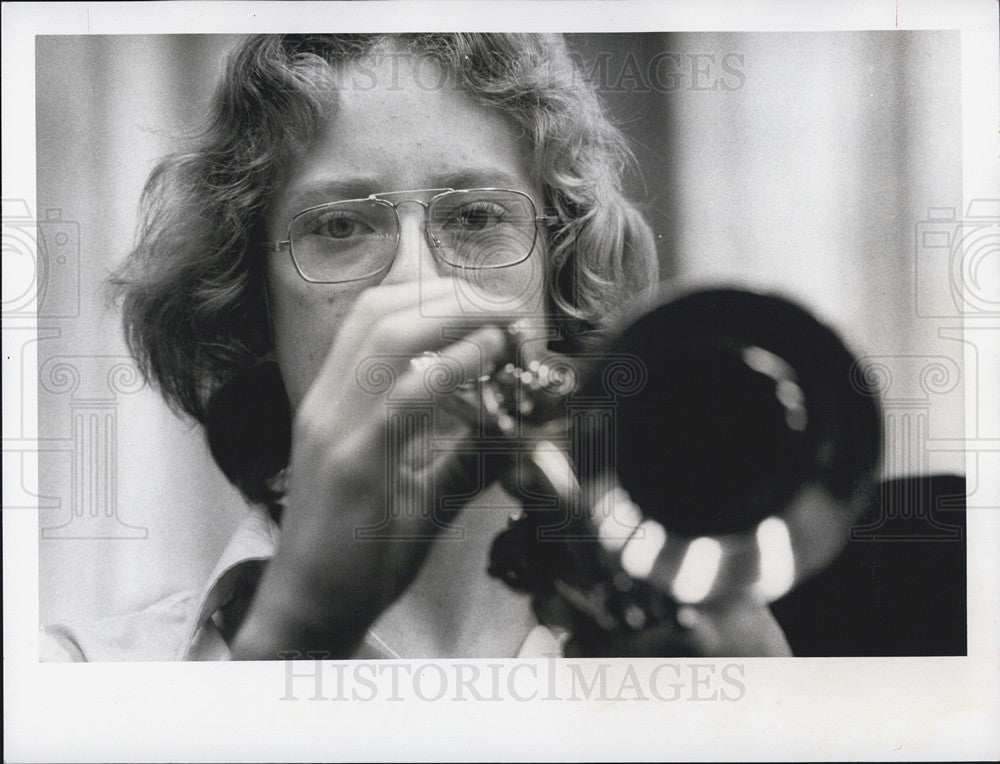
479, 228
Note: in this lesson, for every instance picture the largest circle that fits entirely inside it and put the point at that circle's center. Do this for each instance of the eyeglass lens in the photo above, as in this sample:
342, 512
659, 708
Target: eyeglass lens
352, 240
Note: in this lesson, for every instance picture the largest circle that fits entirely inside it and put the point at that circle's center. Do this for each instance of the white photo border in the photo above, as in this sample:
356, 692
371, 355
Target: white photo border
898, 708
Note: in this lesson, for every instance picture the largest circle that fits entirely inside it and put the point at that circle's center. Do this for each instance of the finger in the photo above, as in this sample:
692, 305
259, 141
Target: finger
739, 626
742, 629
442, 307
554, 611
394, 341
665, 640
454, 365
660, 641
435, 482
428, 325
435, 449
392, 318
377, 302
458, 422
374, 305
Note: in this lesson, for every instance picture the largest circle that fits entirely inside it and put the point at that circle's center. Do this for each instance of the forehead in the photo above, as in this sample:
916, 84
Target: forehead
401, 121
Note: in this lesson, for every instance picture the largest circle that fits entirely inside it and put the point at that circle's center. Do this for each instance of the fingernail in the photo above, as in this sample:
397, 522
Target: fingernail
688, 617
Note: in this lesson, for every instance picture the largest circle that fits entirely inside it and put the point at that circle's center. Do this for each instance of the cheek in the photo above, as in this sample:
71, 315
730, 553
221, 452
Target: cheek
306, 319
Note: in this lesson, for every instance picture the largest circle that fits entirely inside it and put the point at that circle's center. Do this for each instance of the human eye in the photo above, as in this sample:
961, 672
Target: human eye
343, 240
486, 228
475, 216
339, 226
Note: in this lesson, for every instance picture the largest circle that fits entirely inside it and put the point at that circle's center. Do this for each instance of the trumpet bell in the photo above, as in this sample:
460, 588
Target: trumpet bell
746, 399
722, 441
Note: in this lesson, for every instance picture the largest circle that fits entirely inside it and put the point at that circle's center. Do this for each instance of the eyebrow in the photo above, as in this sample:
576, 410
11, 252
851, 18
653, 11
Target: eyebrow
312, 194
485, 177
361, 187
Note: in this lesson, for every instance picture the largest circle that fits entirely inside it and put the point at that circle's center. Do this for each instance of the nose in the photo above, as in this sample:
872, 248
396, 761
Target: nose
414, 259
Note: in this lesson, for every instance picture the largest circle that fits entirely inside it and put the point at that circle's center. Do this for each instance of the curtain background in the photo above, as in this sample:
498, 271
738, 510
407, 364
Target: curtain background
806, 164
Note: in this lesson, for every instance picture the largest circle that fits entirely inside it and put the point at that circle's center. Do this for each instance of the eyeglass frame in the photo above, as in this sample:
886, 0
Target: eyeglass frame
286, 244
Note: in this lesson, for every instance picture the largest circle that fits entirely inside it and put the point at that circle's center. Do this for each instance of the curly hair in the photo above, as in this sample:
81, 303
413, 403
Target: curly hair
193, 288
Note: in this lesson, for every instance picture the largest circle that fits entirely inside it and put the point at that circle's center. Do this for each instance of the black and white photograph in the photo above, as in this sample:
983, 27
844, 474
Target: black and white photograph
639, 404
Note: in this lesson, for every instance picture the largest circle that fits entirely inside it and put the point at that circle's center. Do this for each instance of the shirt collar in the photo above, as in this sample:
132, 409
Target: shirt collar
254, 541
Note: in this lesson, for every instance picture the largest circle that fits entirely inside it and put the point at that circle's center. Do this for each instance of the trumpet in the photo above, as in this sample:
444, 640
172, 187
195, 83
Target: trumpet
719, 442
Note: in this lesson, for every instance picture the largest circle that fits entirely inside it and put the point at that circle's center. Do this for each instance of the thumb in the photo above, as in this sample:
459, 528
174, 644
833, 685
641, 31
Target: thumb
738, 626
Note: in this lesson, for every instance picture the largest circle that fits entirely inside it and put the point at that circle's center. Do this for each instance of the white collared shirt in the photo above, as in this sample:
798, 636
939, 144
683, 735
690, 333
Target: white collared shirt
186, 626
